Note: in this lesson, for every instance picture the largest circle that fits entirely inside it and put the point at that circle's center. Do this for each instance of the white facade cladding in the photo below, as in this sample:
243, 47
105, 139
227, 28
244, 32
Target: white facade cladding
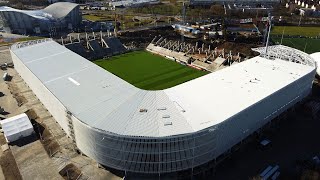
169, 130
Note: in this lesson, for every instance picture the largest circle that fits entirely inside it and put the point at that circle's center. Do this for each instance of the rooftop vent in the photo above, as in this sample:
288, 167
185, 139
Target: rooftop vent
166, 116
162, 108
167, 123
143, 110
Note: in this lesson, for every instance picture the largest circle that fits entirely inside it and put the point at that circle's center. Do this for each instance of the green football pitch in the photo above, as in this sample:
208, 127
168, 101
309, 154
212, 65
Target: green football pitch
148, 71
296, 30
304, 44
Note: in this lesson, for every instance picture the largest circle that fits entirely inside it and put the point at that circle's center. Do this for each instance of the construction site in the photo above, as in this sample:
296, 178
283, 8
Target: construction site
154, 103
202, 55
199, 57
164, 91
69, 140
47, 154
94, 46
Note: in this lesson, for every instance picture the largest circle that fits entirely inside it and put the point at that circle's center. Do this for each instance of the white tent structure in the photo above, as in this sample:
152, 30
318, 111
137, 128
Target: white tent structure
17, 127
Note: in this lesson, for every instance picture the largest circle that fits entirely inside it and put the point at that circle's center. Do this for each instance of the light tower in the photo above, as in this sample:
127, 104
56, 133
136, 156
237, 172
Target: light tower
183, 13
268, 32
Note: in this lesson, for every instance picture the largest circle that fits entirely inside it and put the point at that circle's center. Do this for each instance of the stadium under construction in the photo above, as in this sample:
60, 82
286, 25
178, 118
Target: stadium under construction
164, 131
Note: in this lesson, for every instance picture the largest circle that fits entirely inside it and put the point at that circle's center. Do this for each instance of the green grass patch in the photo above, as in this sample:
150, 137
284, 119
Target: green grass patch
164, 9
10, 42
94, 18
309, 45
296, 30
29, 38
148, 71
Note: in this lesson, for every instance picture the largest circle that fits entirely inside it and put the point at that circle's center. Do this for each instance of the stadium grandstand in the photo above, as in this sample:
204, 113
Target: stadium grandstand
97, 48
164, 131
57, 17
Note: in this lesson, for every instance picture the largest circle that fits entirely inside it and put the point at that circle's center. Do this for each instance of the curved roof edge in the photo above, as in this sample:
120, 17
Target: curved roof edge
38, 14
316, 57
60, 9
286, 53
110, 104
54, 11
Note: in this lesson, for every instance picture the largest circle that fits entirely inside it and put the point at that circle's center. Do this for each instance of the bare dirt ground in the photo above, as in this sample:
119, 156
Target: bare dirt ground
244, 49
32, 160
9, 167
5, 56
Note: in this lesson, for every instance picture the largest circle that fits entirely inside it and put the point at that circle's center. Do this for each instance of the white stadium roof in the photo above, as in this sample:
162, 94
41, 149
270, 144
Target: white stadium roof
39, 14
104, 101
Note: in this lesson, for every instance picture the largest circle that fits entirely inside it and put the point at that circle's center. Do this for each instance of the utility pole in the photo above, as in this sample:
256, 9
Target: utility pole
282, 35
115, 24
184, 13
301, 13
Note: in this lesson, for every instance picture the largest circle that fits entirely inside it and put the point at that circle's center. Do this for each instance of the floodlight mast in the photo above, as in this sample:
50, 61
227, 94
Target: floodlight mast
269, 29
183, 13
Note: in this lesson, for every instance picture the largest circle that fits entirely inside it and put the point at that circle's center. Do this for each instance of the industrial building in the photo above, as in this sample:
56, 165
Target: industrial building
163, 131
58, 17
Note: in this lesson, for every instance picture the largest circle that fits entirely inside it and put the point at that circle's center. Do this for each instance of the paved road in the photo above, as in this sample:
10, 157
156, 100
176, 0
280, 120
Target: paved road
1, 172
